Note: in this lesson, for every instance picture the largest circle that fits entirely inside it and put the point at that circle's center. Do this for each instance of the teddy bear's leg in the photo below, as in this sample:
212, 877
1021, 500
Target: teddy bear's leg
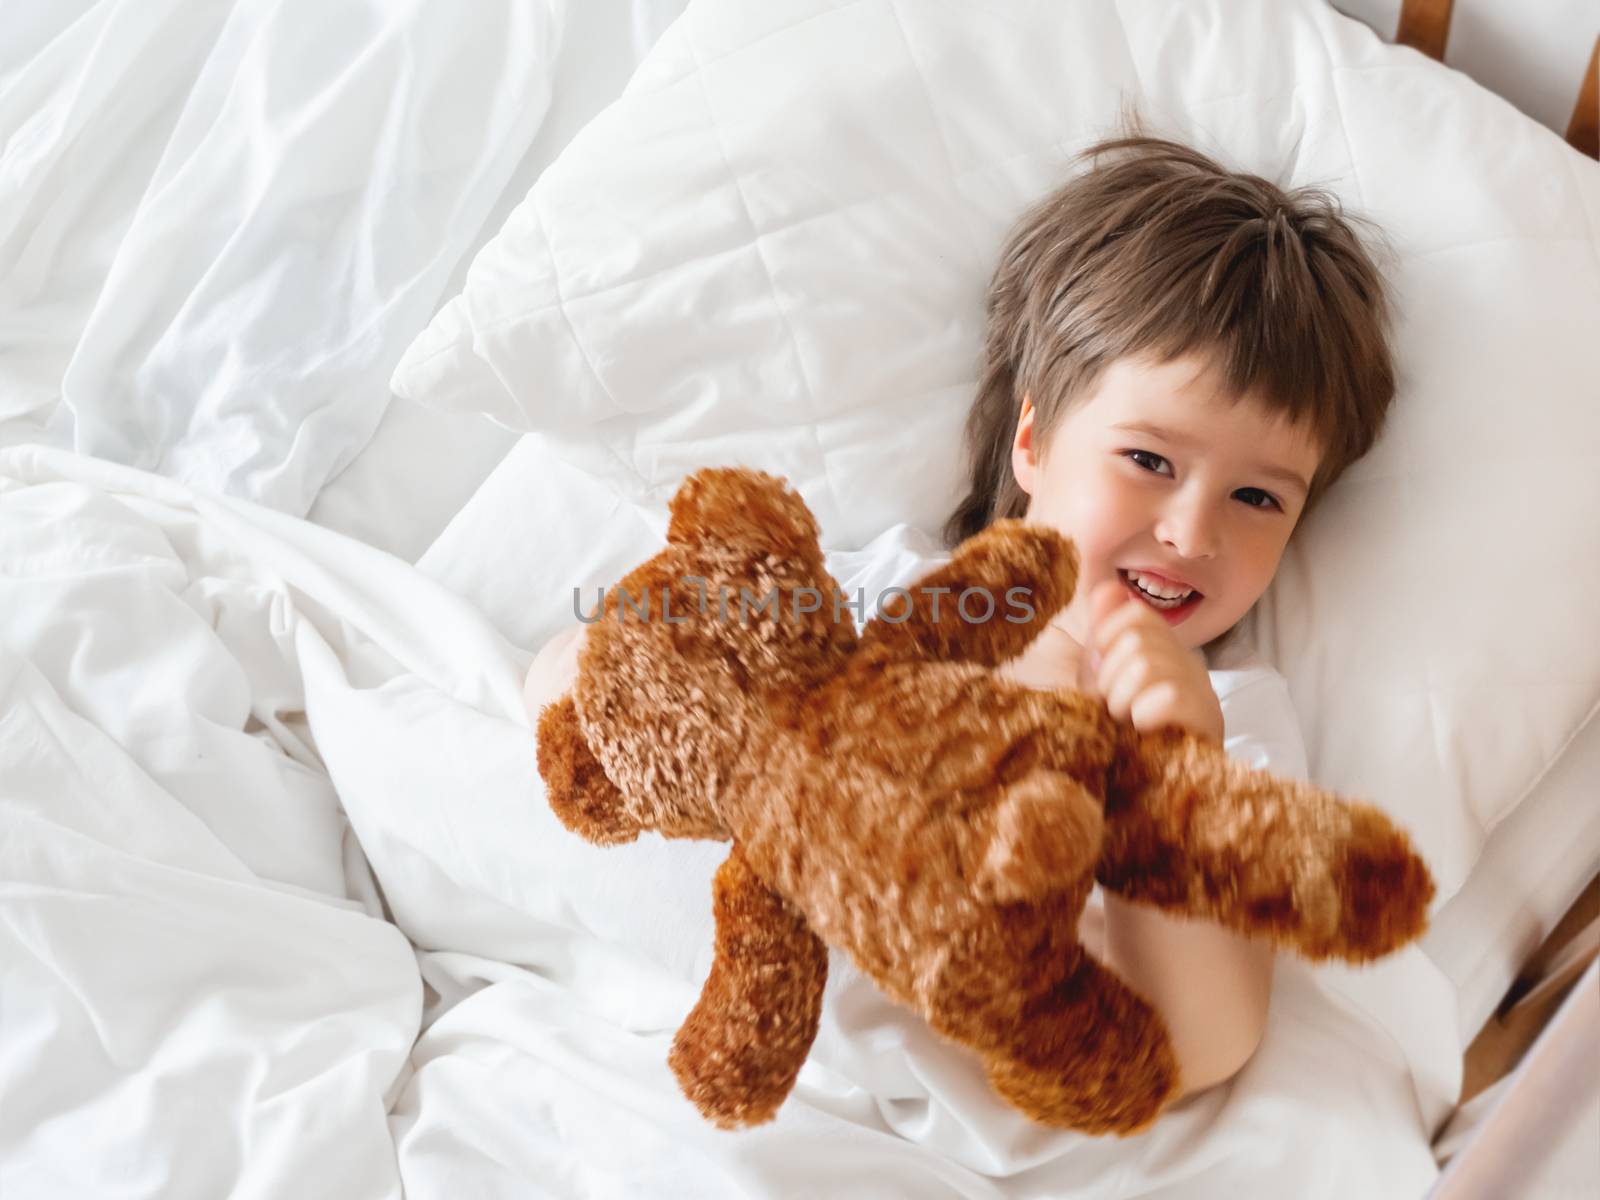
580, 793
1093, 1057
986, 604
738, 1053
1192, 831
1074, 1046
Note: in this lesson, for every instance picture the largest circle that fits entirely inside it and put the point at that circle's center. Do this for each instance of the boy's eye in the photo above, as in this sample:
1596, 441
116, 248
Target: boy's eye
1139, 456
1270, 500
1267, 499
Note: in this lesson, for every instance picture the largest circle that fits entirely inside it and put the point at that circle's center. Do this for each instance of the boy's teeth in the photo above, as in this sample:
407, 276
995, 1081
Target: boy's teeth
1161, 591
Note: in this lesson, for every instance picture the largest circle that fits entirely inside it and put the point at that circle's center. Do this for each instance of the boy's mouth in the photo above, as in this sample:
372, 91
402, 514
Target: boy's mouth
1174, 610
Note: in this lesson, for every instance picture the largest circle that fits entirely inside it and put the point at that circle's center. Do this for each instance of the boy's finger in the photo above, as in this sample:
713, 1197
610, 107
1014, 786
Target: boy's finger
1108, 623
1155, 707
1115, 658
1125, 684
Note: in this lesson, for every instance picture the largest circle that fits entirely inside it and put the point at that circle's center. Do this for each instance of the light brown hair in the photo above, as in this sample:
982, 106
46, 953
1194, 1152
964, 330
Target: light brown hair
1156, 250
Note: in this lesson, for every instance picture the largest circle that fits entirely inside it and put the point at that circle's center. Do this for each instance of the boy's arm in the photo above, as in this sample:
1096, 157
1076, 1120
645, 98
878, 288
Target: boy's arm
1211, 985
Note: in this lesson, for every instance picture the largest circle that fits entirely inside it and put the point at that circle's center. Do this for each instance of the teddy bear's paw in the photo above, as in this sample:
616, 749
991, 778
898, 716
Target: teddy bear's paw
579, 792
738, 1053
1097, 1058
736, 1088
995, 595
1384, 889
1044, 832
1357, 899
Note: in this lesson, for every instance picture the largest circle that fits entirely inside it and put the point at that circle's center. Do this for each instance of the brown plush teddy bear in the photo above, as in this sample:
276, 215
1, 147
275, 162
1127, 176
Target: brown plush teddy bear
888, 794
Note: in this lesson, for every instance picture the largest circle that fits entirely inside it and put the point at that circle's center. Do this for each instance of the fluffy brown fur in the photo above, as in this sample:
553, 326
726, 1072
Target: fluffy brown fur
888, 794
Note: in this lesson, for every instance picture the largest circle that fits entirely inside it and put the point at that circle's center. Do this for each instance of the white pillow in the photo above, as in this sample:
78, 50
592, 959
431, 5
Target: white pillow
772, 249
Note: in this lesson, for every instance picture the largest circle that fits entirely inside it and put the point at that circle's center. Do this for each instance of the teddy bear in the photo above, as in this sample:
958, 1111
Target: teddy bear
888, 794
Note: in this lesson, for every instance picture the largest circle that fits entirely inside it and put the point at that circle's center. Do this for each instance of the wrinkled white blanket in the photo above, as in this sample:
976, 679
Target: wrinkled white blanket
222, 221
220, 727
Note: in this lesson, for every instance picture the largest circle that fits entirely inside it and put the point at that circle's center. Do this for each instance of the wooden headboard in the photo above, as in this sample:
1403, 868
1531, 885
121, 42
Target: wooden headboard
1426, 24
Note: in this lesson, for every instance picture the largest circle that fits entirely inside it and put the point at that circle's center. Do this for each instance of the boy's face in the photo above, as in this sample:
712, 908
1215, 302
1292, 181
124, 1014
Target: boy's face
1197, 503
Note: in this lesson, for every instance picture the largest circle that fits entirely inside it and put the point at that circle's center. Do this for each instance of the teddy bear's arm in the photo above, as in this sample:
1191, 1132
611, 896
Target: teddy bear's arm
738, 1053
580, 793
1018, 575
1192, 831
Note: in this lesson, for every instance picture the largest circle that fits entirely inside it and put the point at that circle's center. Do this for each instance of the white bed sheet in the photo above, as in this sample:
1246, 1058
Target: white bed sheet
221, 223
229, 723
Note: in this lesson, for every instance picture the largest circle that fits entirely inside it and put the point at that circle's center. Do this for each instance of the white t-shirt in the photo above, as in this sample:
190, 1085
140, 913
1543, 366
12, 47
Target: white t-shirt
1259, 723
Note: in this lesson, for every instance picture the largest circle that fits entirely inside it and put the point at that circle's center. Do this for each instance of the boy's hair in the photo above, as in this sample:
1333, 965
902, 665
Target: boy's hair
1156, 250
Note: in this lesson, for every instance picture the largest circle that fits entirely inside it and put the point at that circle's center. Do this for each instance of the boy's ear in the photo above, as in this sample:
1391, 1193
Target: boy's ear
1024, 462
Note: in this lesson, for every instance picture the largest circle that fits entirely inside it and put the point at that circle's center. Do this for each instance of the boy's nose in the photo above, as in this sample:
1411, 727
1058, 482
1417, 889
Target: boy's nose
1189, 529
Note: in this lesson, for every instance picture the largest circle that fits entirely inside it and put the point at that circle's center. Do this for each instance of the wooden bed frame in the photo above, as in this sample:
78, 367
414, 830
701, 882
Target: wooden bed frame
1425, 26
1504, 1143
1533, 999
1534, 1135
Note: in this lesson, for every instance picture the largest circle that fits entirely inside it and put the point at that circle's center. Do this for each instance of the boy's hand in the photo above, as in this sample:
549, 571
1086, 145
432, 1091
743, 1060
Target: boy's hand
1145, 674
553, 671
1052, 660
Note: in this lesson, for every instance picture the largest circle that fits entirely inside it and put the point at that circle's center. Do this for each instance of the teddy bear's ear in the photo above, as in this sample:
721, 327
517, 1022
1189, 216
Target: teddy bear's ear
736, 505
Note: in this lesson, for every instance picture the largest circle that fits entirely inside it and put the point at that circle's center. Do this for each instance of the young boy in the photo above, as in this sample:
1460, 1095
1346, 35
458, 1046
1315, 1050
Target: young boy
1180, 360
